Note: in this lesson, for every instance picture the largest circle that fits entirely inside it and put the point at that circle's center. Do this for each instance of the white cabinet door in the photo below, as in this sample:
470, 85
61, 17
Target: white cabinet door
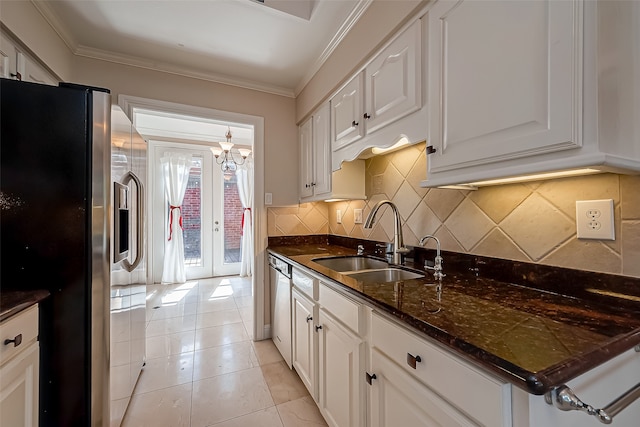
347, 114
304, 340
8, 58
321, 151
393, 80
19, 389
305, 136
340, 364
398, 399
34, 72
505, 80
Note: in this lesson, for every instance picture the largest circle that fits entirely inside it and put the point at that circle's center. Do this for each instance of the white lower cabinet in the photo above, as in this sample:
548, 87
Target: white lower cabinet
341, 363
367, 368
304, 340
19, 370
437, 387
398, 399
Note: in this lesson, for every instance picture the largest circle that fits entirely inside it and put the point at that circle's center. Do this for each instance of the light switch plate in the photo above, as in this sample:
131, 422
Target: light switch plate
595, 219
339, 216
268, 198
357, 216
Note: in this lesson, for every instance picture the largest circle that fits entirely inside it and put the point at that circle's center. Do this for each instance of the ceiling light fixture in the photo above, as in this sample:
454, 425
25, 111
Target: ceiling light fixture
227, 162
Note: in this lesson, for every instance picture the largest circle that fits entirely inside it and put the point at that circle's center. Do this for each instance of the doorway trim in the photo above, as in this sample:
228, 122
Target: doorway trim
129, 103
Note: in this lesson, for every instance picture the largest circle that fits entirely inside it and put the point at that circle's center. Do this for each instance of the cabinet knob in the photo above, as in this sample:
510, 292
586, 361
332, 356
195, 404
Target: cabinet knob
370, 377
354, 123
307, 186
366, 116
309, 318
318, 327
412, 360
17, 75
313, 184
16, 341
431, 149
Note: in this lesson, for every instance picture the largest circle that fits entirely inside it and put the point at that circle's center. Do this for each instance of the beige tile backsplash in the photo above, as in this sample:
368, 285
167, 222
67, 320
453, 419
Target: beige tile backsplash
532, 222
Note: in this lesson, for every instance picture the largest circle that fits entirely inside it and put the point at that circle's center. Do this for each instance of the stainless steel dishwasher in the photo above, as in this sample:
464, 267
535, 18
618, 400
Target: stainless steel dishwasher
280, 279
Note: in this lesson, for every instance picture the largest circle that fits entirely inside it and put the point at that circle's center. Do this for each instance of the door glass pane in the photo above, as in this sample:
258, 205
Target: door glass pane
191, 215
232, 220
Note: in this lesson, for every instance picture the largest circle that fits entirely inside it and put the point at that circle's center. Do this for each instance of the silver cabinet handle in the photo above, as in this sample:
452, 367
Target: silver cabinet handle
130, 176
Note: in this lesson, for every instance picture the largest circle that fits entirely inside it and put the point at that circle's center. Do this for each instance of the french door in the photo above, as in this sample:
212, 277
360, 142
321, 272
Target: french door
203, 216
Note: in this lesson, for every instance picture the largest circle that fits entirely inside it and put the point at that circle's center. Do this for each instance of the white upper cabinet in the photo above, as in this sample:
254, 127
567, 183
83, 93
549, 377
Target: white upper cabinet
347, 115
15, 64
393, 80
321, 151
507, 78
315, 156
514, 89
367, 111
317, 181
305, 137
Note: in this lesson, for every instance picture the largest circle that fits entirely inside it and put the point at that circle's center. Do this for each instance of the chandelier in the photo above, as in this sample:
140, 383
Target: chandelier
224, 156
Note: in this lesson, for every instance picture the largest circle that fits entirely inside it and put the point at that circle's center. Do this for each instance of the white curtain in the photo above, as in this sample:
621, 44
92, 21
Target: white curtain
175, 173
244, 175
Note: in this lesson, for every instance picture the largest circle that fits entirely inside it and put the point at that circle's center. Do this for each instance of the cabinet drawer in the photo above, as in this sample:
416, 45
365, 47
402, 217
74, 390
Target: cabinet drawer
307, 285
340, 307
23, 325
482, 398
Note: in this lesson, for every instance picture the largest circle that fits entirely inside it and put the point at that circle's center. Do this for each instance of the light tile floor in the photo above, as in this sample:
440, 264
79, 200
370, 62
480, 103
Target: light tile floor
204, 369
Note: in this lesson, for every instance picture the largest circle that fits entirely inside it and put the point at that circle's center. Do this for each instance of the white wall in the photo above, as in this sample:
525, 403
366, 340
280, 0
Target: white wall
27, 24
280, 135
281, 148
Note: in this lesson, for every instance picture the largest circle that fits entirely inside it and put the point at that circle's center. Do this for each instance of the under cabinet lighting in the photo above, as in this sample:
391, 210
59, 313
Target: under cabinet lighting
523, 178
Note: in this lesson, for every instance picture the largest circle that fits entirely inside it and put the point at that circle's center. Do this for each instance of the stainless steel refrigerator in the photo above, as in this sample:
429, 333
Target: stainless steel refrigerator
57, 223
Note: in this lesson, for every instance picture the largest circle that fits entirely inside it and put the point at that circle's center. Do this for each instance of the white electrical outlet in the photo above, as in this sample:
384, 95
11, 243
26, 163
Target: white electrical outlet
339, 216
357, 216
595, 220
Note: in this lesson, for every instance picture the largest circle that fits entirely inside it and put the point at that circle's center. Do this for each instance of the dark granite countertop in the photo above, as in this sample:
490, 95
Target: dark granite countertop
534, 337
13, 302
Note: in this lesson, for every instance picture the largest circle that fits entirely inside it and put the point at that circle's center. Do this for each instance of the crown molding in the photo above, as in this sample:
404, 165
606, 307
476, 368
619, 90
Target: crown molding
56, 24
133, 61
342, 32
88, 52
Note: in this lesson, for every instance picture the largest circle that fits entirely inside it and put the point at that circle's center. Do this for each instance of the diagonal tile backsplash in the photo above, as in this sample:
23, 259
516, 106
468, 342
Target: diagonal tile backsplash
532, 222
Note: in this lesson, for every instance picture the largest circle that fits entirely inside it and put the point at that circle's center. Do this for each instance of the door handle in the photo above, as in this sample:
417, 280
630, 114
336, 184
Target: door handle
130, 176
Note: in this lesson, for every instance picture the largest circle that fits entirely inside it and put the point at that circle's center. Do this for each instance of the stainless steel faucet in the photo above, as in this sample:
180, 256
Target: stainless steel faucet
437, 265
398, 243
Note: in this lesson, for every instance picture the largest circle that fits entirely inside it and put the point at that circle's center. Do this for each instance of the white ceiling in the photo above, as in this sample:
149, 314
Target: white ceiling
239, 42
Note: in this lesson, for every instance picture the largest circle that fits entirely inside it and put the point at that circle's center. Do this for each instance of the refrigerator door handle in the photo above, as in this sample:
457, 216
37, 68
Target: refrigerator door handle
130, 176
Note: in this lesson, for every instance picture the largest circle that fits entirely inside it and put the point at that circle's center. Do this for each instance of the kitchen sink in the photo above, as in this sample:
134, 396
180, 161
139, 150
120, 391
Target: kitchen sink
385, 275
351, 263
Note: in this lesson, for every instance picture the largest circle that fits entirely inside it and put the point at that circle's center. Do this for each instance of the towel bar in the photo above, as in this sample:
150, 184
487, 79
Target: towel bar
563, 398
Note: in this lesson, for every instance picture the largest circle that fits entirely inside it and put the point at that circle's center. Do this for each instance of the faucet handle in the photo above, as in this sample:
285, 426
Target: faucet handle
403, 250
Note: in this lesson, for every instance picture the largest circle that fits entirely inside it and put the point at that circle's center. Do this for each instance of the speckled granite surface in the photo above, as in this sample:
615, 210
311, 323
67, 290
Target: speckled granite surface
536, 337
13, 302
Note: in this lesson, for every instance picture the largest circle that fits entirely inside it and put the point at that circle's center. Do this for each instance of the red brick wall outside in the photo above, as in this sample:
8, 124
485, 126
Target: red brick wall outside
191, 222
232, 215
191, 212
